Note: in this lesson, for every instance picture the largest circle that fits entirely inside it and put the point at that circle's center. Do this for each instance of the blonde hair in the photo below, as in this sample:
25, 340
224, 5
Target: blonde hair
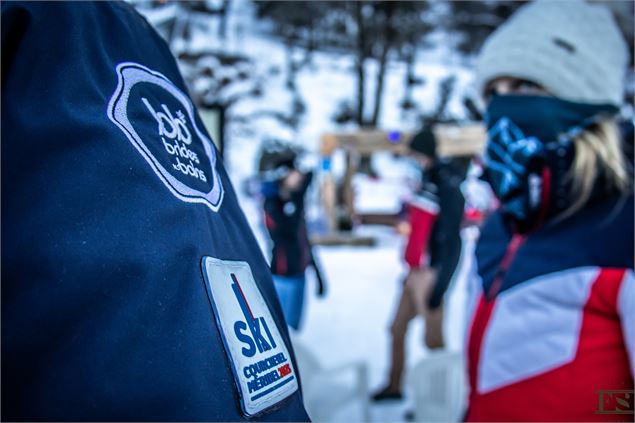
598, 153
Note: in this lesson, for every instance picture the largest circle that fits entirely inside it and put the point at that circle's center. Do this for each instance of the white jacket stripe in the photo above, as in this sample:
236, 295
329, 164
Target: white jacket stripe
534, 327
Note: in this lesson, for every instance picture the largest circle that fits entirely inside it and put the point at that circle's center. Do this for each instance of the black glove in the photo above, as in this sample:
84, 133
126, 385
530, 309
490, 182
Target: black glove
321, 284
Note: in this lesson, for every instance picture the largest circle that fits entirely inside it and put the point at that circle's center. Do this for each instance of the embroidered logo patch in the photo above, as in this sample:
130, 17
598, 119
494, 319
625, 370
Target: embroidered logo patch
261, 362
158, 119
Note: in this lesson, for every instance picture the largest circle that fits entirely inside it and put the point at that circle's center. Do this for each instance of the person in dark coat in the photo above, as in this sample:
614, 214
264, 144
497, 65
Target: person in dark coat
284, 208
132, 286
428, 280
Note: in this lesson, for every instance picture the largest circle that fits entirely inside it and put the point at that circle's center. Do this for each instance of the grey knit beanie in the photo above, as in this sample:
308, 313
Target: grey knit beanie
571, 48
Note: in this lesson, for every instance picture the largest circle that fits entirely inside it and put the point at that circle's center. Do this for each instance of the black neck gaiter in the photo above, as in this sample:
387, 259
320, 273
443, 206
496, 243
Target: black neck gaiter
530, 150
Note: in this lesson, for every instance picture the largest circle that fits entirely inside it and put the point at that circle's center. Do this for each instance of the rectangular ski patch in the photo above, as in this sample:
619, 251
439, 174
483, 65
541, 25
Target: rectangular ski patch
261, 362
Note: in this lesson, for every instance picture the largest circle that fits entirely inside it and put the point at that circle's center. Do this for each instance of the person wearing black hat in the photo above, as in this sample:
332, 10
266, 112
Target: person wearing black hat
427, 282
424, 145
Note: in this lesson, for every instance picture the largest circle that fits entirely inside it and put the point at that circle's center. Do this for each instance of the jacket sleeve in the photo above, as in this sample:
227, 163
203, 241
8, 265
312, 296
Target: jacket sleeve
626, 311
15, 22
298, 196
281, 223
446, 241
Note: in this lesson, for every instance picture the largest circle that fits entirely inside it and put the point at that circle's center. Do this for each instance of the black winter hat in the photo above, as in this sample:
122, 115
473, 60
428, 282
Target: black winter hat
281, 157
425, 143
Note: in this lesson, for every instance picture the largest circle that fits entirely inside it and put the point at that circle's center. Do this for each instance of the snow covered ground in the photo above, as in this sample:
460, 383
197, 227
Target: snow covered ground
351, 323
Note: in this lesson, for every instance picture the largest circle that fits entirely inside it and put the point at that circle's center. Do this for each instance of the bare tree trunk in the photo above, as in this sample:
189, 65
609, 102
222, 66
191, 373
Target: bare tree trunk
383, 60
291, 66
446, 88
310, 48
222, 27
410, 75
379, 87
359, 65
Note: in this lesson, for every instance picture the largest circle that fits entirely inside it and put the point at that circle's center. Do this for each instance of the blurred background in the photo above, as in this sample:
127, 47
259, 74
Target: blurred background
345, 84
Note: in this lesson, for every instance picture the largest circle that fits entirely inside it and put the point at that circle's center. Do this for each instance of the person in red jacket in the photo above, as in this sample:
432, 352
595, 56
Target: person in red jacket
432, 254
552, 337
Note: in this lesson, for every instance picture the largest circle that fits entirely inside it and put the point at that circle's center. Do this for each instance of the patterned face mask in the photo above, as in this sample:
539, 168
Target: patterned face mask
530, 150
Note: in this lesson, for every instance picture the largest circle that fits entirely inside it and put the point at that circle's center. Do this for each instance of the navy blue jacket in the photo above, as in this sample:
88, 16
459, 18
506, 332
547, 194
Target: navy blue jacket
444, 180
112, 198
601, 234
286, 224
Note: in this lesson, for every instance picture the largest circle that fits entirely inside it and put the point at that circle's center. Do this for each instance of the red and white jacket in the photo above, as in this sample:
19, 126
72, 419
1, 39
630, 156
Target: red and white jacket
552, 337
